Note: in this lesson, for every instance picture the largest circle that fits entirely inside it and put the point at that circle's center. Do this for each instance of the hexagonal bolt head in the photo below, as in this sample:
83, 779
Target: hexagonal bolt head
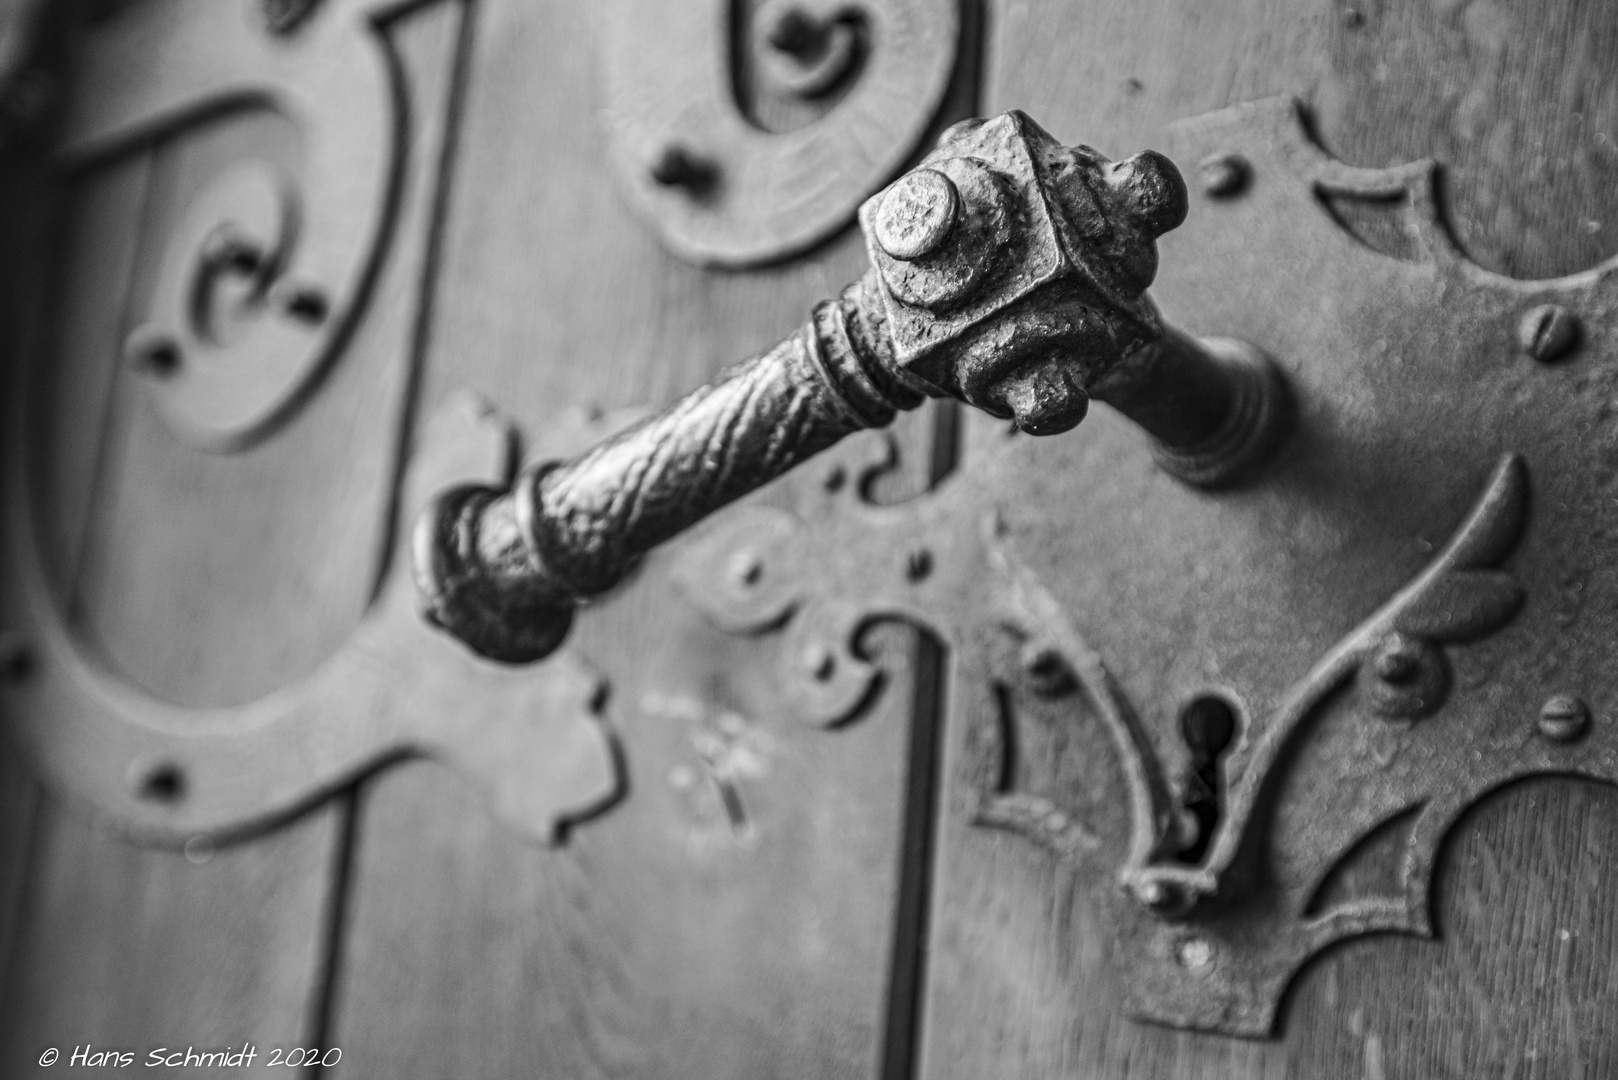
1013, 269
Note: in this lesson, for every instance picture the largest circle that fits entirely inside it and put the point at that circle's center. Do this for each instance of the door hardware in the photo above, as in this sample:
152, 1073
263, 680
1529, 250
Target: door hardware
1008, 272
1411, 612
693, 96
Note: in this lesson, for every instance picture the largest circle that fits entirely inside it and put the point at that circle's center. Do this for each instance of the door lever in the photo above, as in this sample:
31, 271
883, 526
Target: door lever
1007, 271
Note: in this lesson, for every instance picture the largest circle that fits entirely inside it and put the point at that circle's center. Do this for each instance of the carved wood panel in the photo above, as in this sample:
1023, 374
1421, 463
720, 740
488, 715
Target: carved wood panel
192, 579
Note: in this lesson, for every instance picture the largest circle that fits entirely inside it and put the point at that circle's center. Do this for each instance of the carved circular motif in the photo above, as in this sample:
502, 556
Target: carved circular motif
770, 194
230, 340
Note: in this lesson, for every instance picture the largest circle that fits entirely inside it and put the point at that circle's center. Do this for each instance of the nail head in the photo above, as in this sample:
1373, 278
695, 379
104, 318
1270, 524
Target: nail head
1224, 175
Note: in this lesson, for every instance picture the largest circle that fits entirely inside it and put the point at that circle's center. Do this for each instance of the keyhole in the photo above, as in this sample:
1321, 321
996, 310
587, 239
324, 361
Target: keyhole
1208, 726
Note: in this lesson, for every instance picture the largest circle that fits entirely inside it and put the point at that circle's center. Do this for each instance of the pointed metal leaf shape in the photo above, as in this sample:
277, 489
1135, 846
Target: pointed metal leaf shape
1462, 606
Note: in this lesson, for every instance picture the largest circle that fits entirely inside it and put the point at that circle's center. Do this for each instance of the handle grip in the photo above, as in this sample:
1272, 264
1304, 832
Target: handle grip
1008, 271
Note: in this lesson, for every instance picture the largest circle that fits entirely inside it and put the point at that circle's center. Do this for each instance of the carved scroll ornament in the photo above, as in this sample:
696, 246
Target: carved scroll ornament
717, 186
255, 239
266, 271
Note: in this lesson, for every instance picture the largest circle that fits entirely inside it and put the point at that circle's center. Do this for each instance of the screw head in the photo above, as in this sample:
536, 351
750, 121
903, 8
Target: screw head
1224, 175
1548, 332
160, 782
917, 214
304, 303
745, 567
1399, 665
682, 168
152, 351
1406, 678
820, 662
1047, 670
1563, 718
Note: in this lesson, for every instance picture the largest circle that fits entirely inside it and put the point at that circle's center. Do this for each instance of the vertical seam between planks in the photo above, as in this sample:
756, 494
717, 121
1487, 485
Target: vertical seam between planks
427, 288
326, 1005
140, 252
323, 1011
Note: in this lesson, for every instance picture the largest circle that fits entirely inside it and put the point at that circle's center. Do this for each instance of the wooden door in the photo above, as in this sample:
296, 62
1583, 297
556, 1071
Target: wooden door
742, 894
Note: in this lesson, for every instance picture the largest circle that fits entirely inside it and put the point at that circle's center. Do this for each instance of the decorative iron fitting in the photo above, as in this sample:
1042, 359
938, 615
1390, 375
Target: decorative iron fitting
1008, 271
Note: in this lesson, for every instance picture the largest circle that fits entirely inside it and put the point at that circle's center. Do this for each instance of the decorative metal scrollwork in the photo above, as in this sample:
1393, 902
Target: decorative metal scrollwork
1274, 677
705, 169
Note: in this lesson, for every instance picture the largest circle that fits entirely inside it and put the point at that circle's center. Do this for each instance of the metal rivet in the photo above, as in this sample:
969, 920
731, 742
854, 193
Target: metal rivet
745, 568
819, 662
919, 564
1196, 955
917, 214
304, 303
1047, 670
152, 352
1224, 175
1563, 718
679, 167
16, 659
163, 782
600, 694
1548, 332
1398, 665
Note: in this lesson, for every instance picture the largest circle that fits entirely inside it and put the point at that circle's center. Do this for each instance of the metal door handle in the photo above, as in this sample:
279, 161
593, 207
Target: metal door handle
1007, 271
